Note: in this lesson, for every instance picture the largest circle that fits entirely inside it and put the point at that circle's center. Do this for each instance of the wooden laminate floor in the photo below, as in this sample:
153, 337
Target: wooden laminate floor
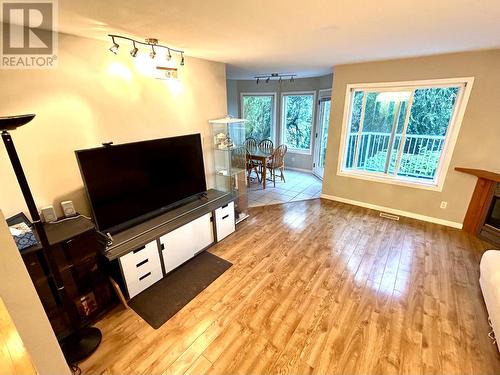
325, 288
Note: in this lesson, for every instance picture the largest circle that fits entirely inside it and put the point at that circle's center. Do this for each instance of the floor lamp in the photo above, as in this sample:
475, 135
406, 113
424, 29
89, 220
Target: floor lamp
83, 341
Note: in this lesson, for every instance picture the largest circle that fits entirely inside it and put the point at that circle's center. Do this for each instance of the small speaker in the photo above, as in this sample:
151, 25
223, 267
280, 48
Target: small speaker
68, 208
49, 214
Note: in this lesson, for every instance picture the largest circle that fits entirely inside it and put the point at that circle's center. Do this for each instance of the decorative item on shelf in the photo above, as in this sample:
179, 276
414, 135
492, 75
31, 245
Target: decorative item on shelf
276, 77
48, 214
21, 229
68, 208
223, 142
165, 69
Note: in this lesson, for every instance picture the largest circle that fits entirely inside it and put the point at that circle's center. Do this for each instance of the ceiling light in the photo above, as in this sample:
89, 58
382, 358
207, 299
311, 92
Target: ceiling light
134, 51
114, 47
151, 42
275, 77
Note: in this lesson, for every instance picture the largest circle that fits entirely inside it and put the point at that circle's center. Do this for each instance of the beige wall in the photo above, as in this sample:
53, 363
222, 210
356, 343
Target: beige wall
236, 87
478, 144
92, 97
26, 310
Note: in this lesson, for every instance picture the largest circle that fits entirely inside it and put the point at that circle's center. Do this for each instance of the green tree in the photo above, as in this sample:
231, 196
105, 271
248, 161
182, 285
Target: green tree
258, 111
298, 121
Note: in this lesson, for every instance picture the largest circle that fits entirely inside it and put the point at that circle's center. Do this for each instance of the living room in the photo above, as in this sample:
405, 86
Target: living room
368, 246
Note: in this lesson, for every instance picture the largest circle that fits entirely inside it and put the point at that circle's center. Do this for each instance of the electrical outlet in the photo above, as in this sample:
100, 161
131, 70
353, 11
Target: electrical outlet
443, 205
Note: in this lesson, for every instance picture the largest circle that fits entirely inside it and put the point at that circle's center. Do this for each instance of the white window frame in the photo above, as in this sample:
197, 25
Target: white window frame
273, 117
313, 125
449, 142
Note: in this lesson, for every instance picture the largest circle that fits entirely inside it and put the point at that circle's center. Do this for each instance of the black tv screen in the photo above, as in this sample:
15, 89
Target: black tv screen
129, 183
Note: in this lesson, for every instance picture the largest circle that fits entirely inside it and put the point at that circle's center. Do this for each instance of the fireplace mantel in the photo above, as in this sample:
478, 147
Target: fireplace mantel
481, 198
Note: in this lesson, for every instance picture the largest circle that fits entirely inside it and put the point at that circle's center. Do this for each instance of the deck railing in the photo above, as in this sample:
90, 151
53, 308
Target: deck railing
420, 156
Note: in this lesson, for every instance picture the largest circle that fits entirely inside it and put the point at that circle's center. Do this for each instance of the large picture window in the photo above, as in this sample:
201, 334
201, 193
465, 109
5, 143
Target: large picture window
297, 121
258, 109
402, 132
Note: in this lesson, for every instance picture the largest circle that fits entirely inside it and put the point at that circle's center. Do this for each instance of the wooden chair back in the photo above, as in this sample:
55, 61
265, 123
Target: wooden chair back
239, 157
278, 159
251, 143
266, 145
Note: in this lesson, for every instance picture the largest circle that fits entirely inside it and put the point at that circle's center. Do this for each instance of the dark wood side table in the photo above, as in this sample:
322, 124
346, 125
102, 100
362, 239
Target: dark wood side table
78, 249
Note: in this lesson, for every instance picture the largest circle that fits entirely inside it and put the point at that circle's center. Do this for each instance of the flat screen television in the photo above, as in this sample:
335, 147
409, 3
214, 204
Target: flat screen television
129, 183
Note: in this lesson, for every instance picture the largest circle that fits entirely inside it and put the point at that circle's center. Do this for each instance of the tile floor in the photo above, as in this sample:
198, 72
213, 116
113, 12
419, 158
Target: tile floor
298, 186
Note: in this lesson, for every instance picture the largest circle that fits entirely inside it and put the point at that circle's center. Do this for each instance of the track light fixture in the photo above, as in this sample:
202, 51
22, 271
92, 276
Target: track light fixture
114, 47
134, 50
276, 76
152, 42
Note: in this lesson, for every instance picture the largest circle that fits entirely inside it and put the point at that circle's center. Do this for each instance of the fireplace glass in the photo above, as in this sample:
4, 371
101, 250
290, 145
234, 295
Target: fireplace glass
493, 217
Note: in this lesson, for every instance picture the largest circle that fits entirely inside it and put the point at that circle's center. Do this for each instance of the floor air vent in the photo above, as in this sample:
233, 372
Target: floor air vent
389, 216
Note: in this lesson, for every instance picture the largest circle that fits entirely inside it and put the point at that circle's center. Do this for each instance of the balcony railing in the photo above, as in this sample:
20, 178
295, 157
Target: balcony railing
420, 157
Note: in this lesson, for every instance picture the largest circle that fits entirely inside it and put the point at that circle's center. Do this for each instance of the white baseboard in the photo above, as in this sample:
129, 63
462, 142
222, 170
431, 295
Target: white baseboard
299, 169
412, 215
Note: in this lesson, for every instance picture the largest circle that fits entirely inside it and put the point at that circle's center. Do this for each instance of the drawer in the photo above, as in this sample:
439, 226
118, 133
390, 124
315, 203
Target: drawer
141, 268
224, 210
224, 221
143, 279
130, 260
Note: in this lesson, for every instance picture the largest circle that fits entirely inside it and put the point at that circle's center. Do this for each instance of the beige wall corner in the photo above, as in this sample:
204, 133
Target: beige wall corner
478, 141
26, 310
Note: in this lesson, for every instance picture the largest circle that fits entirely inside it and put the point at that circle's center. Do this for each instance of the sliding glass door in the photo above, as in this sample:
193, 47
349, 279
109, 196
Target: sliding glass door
322, 126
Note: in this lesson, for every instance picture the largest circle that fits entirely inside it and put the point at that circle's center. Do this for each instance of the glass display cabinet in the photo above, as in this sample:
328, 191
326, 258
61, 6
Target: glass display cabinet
228, 136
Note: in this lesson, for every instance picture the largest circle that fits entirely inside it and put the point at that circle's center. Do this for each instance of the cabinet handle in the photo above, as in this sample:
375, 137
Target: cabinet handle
141, 263
162, 246
225, 206
225, 217
144, 276
139, 249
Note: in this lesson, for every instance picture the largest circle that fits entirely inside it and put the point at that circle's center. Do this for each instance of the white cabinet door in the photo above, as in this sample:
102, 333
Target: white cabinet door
183, 243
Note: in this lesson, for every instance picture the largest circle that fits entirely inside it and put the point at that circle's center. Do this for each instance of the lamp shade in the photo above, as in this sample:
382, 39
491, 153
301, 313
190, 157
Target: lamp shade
13, 122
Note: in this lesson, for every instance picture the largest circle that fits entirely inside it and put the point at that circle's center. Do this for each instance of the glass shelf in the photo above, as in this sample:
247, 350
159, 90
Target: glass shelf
229, 161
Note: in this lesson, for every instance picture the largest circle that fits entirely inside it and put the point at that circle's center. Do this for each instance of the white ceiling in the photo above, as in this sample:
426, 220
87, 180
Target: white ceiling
257, 36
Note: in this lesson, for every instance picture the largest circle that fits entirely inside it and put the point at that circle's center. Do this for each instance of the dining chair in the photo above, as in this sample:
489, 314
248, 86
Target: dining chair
251, 143
240, 158
277, 161
252, 165
266, 145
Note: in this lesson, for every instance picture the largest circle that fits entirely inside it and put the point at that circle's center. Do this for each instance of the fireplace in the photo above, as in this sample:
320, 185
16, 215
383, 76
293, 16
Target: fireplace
491, 228
483, 215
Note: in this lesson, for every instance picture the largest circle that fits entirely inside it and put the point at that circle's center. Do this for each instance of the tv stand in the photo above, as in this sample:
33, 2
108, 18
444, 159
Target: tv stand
141, 255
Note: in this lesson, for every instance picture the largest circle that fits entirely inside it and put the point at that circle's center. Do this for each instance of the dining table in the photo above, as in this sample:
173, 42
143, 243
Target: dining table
261, 156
